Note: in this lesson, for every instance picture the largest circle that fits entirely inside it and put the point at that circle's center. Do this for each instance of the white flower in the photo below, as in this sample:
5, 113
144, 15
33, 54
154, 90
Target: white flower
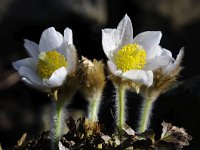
134, 58
173, 65
50, 62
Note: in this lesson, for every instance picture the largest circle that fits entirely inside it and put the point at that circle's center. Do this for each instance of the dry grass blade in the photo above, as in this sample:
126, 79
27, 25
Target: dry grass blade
22, 139
12, 79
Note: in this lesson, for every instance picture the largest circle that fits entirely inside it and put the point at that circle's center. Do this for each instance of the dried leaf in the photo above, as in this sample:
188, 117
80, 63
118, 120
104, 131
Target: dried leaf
172, 138
128, 130
129, 148
62, 147
91, 128
72, 143
173, 134
22, 139
106, 138
116, 140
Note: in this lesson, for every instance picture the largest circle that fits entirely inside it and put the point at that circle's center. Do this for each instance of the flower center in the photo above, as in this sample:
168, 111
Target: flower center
130, 57
49, 62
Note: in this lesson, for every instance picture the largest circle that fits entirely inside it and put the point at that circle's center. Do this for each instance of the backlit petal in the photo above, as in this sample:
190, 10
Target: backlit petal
126, 31
113, 69
149, 40
140, 76
110, 41
50, 39
159, 61
57, 78
173, 65
68, 38
71, 56
27, 62
114, 39
32, 48
30, 75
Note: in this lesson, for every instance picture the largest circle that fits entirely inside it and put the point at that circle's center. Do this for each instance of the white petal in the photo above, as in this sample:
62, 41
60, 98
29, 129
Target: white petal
110, 41
68, 36
71, 56
173, 65
140, 76
113, 39
126, 30
57, 78
67, 41
149, 40
27, 62
50, 39
32, 48
159, 61
30, 75
159, 50
113, 69
34, 85
164, 51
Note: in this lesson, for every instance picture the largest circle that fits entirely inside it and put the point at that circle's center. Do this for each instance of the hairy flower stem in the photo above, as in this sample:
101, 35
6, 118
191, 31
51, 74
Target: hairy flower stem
93, 109
145, 115
58, 116
58, 121
120, 107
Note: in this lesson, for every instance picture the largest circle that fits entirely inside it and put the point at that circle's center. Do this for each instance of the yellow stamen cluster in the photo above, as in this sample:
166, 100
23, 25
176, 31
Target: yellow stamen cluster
130, 57
49, 62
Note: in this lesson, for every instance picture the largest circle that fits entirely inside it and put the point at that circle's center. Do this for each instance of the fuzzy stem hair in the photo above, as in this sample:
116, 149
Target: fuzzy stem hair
145, 115
93, 110
120, 106
59, 120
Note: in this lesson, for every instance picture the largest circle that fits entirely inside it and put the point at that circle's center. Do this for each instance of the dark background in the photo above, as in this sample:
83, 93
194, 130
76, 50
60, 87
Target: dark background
22, 108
